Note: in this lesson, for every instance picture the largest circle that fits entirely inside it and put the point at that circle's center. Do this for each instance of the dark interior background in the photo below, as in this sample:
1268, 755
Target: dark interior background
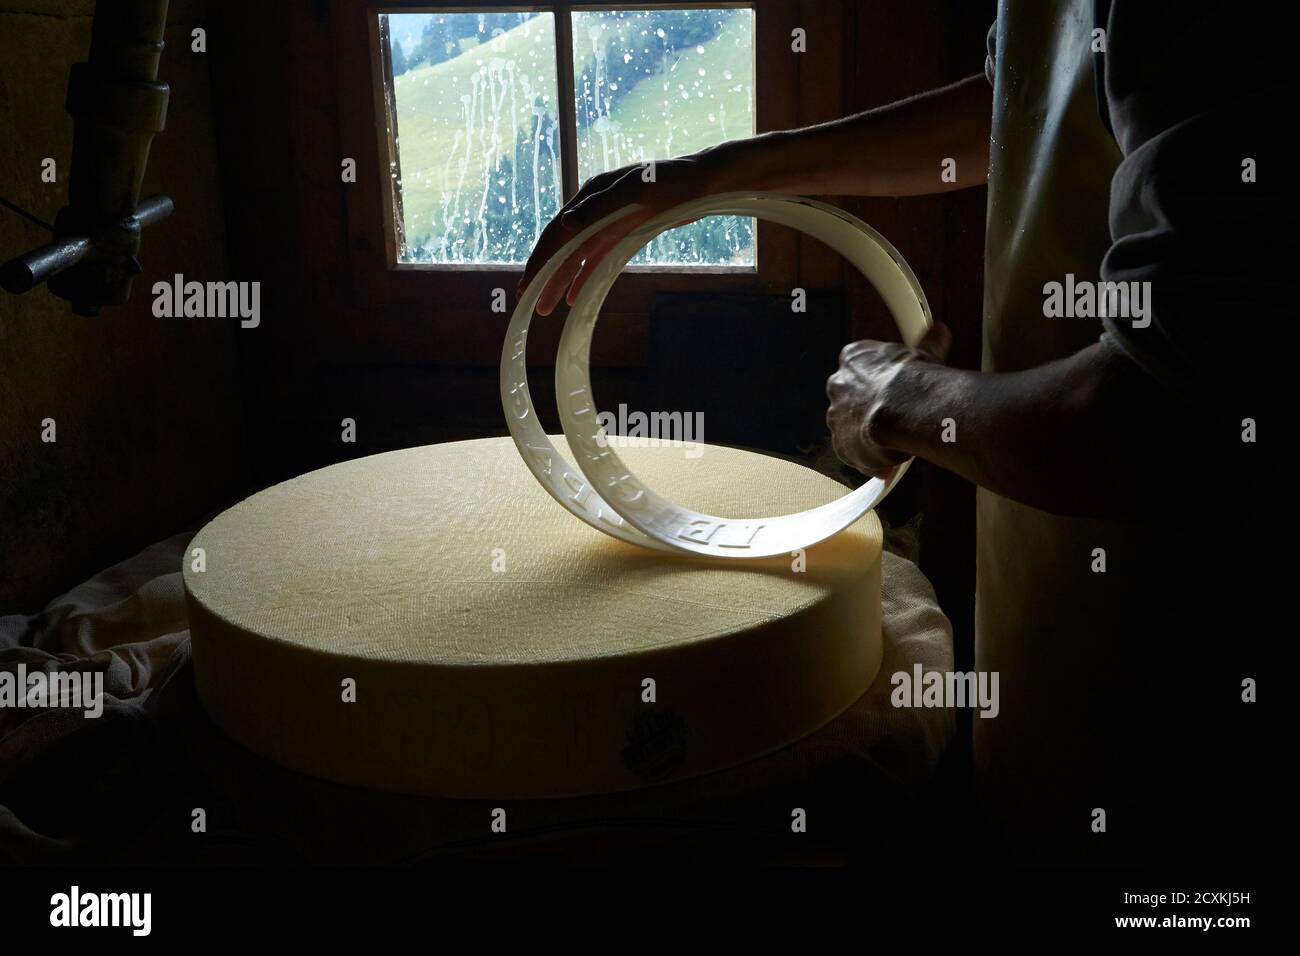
149, 413
162, 422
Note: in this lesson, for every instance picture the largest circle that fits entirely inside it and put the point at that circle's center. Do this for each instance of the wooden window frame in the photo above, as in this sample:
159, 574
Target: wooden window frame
441, 312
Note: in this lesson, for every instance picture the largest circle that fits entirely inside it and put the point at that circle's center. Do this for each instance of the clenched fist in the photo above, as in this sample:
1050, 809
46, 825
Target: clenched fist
871, 385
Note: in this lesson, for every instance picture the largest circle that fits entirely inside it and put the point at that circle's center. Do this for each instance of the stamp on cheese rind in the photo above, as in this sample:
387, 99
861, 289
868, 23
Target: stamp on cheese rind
655, 744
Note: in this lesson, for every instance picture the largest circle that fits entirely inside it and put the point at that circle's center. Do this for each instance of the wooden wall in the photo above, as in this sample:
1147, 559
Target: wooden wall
147, 412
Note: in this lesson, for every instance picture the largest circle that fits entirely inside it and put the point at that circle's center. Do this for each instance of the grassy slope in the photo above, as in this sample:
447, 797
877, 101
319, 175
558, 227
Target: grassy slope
430, 112
649, 113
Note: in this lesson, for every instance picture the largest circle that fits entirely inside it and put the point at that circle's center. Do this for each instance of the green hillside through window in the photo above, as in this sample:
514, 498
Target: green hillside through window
478, 122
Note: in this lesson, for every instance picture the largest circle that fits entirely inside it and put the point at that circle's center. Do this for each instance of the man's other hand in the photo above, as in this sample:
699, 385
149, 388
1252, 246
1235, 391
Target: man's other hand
870, 386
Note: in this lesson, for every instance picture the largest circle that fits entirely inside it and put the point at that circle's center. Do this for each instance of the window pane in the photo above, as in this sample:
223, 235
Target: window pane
476, 105
651, 84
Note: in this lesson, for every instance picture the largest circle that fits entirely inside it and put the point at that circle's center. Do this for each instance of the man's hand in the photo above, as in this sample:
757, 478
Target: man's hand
675, 181
1091, 434
871, 384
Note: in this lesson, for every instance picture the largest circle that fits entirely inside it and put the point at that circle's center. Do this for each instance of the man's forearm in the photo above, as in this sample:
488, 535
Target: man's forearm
1087, 435
894, 150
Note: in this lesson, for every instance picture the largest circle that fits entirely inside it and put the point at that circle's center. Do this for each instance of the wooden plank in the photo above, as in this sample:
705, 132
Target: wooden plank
361, 132
567, 106
386, 111
821, 83
776, 99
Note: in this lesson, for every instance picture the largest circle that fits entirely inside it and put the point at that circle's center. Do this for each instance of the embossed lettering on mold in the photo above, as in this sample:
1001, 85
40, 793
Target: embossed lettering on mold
629, 510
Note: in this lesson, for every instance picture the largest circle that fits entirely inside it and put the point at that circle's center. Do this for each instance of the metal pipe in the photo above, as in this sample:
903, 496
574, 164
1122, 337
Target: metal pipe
117, 105
31, 269
154, 210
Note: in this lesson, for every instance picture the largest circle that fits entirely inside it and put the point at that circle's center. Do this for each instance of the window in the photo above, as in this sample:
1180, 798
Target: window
454, 311
494, 116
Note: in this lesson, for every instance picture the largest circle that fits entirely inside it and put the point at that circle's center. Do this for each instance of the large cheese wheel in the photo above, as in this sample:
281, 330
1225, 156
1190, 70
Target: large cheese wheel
430, 621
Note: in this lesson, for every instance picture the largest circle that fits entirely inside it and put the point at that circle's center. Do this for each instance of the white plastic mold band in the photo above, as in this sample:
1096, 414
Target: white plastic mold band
624, 507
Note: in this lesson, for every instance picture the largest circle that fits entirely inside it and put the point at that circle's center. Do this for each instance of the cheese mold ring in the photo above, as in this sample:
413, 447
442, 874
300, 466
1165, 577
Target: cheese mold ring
565, 483
606, 494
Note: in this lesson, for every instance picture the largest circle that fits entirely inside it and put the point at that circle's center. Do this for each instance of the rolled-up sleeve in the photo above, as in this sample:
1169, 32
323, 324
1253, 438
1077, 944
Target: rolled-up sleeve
1202, 99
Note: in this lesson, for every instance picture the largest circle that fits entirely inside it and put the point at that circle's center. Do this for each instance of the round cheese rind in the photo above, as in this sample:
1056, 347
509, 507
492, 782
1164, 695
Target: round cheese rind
431, 621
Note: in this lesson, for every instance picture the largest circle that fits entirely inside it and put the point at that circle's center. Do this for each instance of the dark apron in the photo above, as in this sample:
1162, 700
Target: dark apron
1102, 675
